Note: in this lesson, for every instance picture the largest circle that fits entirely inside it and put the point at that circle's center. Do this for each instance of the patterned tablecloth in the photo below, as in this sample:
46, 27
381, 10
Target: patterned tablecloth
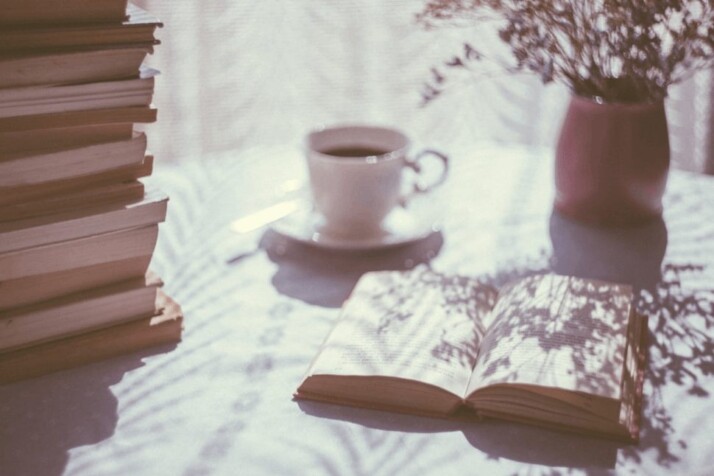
258, 305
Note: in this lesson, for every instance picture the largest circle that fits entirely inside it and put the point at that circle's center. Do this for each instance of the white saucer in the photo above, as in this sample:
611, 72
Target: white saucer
400, 227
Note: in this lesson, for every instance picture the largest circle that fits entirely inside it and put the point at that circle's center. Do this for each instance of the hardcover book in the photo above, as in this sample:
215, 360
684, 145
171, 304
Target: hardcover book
137, 29
28, 101
56, 138
57, 165
81, 222
116, 115
33, 12
78, 253
45, 286
78, 313
26, 193
164, 327
79, 199
70, 67
554, 351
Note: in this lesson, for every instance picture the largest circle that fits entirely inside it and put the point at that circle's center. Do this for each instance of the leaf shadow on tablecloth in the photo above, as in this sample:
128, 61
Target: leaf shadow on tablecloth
497, 439
674, 289
631, 256
326, 277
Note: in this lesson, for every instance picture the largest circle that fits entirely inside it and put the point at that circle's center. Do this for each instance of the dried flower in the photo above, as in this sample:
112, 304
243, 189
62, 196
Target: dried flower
618, 50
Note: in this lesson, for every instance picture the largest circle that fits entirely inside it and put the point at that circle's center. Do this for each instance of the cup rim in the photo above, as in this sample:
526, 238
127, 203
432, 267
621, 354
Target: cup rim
387, 156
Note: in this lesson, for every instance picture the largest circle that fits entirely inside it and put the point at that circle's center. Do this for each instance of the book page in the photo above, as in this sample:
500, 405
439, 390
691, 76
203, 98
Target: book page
419, 325
557, 331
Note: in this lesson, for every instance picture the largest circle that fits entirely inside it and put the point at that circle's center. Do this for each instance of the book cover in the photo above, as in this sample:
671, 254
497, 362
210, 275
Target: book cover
22, 194
38, 12
77, 313
38, 288
82, 221
85, 117
78, 253
74, 200
27, 101
34, 141
49, 166
164, 327
73, 67
137, 29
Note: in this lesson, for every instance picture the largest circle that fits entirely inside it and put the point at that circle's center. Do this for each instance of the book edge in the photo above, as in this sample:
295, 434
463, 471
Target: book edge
166, 326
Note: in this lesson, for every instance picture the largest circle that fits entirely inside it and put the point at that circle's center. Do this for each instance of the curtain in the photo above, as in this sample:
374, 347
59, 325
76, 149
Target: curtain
238, 74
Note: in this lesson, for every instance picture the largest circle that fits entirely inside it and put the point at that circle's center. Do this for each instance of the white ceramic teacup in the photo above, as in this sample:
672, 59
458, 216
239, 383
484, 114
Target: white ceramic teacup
356, 175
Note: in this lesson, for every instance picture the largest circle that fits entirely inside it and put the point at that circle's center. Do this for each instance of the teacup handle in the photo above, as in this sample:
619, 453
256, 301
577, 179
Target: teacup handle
419, 188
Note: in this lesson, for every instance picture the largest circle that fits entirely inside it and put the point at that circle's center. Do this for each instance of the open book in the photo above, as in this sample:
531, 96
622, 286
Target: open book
549, 350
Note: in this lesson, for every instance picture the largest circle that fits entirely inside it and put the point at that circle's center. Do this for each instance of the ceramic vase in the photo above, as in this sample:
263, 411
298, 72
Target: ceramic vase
612, 162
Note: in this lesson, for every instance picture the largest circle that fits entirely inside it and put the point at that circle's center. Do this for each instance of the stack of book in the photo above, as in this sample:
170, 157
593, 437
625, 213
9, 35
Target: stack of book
77, 227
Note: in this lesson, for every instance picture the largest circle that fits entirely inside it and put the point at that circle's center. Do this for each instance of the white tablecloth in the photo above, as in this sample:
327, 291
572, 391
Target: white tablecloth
220, 402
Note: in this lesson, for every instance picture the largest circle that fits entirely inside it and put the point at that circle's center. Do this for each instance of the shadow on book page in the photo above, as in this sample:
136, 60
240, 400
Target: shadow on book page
673, 286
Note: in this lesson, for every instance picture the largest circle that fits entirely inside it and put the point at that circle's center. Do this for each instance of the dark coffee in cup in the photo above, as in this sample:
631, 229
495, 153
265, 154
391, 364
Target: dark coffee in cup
356, 151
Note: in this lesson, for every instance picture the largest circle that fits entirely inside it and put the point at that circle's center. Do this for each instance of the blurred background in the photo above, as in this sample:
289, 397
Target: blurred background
236, 74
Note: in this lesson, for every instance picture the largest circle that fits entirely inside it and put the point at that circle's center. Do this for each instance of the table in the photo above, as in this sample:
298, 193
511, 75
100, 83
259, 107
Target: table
258, 306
